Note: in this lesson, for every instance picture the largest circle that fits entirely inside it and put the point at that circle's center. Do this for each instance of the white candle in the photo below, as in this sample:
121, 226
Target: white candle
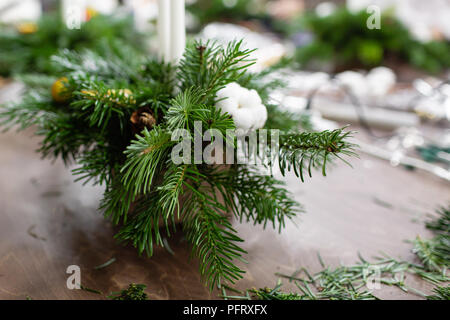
178, 38
73, 13
164, 29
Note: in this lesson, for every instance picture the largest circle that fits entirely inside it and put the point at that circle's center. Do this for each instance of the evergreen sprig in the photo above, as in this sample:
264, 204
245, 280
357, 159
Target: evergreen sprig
440, 293
132, 293
209, 66
212, 236
434, 253
253, 196
310, 150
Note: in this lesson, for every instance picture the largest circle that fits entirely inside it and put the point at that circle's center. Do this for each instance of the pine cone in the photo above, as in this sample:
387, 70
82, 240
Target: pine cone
142, 118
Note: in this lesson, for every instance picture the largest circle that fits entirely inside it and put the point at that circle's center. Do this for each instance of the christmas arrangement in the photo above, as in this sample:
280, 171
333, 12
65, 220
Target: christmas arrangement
185, 139
366, 47
28, 46
116, 116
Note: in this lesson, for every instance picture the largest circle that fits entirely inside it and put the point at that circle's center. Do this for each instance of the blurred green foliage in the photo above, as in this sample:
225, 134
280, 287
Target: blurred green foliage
207, 11
344, 39
30, 53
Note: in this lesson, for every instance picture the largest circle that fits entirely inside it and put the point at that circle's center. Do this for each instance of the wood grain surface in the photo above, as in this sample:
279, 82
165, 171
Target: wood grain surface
48, 222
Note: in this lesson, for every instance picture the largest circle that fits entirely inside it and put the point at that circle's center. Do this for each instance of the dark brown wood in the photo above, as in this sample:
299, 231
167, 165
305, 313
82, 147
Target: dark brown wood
47, 223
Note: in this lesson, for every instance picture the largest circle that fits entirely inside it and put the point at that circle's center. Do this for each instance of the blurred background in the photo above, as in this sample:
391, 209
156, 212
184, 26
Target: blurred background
382, 67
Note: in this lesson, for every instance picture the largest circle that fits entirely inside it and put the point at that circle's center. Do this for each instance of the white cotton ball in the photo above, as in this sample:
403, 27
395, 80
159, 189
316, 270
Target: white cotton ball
353, 81
231, 90
243, 119
260, 114
380, 80
251, 99
244, 106
227, 105
324, 9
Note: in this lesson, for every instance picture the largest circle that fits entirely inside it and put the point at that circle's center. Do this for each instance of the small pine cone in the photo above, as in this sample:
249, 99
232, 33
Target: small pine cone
142, 118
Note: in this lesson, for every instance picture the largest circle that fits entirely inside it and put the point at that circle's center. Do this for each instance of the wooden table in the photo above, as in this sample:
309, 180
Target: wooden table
48, 222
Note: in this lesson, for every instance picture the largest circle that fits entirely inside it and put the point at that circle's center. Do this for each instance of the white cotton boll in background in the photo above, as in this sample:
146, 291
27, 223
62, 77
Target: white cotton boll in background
104, 6
355, 6
324, 9
353, 81
307, 81
422, 32
20, 11
380, 80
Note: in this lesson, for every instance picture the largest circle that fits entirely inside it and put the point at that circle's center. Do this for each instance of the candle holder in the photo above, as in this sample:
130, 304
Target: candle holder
150, 131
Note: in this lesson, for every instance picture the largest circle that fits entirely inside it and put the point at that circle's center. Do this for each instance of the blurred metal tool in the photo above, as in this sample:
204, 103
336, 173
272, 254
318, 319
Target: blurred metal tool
397, 157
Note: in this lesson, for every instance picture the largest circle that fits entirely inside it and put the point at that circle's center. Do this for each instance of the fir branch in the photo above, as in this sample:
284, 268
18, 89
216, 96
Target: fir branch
307, 150
36, 80
96, 165
142, 230
175, 181
117, 200
133, 292
441, 225
433, 253
212, 237
253, 196
112, 60
145, 157
440, 293
101, 105
185, 108
274, 294
210, 67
